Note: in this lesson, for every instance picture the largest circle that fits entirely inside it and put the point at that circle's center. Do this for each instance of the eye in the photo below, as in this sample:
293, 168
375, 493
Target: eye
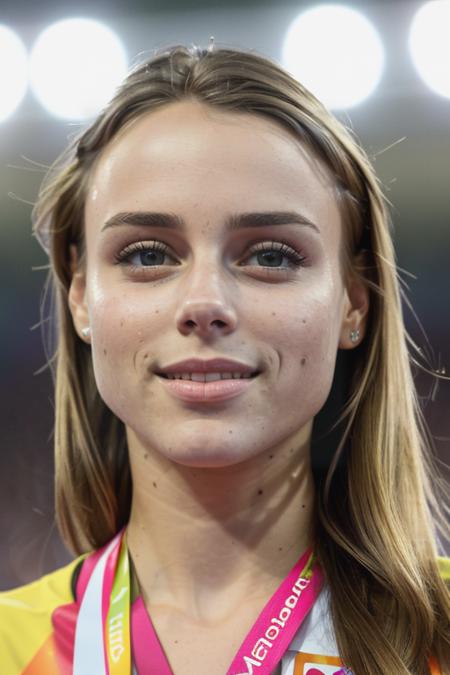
145, 254
271, 253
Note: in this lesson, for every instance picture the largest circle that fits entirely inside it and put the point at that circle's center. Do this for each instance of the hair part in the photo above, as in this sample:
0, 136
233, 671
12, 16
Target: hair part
378, 514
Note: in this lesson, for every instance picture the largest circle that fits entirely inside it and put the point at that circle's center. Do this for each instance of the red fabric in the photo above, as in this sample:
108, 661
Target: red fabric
64, 621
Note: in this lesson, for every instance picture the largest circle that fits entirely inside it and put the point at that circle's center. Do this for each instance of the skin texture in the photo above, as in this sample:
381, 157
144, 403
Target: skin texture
223, 492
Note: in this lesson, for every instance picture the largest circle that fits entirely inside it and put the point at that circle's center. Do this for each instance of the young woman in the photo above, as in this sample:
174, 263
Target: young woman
241, 462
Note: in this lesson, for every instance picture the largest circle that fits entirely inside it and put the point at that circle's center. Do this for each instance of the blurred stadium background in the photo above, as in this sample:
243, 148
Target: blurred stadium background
383, 67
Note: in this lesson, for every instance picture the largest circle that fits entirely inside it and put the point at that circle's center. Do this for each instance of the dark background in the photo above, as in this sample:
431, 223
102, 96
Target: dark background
415, 173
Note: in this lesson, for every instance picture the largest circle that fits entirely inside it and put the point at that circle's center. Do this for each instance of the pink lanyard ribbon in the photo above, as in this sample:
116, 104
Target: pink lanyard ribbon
261, 650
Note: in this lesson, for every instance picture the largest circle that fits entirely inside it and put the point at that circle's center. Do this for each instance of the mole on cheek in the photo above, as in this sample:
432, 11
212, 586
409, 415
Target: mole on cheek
303, 361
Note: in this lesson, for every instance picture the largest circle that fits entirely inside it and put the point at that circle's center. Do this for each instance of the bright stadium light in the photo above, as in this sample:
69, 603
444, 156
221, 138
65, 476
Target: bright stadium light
429, 44
13, 72
75, 66
336, 53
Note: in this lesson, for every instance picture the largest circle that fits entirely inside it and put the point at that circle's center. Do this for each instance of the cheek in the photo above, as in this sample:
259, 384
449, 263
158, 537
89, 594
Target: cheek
306, 337
308, 326
119, 329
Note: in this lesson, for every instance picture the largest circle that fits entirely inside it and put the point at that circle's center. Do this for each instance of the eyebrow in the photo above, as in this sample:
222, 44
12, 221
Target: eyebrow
233, 222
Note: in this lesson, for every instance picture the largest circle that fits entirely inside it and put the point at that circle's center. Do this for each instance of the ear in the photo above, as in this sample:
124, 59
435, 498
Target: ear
77, 296
355, 313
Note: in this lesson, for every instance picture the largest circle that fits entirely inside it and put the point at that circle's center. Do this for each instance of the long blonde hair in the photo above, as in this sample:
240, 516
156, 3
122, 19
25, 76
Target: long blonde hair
378, 510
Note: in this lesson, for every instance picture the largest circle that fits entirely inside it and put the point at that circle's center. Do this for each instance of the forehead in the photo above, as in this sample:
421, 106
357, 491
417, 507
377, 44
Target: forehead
187, 155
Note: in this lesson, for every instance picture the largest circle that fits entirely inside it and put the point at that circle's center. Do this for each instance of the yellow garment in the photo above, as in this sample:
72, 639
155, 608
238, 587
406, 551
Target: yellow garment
25, 622
26, 632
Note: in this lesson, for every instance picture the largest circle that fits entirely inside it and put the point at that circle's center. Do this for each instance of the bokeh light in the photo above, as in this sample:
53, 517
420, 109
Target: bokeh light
429, 43
75, 67
335, 52
13, 71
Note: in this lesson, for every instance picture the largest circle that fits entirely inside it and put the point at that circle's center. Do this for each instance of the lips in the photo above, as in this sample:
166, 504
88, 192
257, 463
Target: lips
202, 393
208, 377
215, 365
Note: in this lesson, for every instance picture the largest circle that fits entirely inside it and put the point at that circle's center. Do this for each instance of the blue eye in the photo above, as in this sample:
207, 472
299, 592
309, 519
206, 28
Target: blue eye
142, 255
150, 257
271, 252
149, 254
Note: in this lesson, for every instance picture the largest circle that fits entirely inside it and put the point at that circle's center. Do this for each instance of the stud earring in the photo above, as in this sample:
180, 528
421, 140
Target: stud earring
86, 331
354, 335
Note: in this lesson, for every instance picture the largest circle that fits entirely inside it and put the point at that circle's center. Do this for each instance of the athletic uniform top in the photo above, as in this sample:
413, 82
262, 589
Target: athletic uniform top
37, 628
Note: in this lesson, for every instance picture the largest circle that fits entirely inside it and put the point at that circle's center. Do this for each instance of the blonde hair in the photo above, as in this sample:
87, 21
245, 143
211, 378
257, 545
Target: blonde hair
378, 513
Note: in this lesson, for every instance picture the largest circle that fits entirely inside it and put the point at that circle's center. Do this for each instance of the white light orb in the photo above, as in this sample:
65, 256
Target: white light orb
13, 72
429, 44
336, 53
75, 67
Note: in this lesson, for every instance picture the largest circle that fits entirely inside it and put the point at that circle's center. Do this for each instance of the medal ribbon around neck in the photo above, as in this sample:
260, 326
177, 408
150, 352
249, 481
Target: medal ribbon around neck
103, 636
116, 628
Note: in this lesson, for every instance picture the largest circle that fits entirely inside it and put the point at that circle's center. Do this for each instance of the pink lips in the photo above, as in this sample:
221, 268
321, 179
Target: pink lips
218, 390
213, 365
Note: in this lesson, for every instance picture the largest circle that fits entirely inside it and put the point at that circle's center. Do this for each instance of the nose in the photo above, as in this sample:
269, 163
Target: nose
205, 307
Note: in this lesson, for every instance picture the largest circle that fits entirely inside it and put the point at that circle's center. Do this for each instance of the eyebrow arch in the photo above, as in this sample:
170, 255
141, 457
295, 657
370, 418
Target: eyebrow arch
233, 222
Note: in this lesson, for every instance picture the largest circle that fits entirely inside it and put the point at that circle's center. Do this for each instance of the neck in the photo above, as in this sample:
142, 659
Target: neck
202, 541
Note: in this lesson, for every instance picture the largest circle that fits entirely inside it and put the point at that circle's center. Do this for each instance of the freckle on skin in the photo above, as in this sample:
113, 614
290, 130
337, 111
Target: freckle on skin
281, 548
121, 323
270, 456
303, 506
303, 320
145, 455
303, 361
260, 492
154, 484
105, 352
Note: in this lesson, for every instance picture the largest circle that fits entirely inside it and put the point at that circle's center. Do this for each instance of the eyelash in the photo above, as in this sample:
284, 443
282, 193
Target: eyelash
295, 259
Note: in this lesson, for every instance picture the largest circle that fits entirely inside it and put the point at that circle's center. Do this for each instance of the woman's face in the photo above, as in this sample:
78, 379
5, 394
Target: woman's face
210, 291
